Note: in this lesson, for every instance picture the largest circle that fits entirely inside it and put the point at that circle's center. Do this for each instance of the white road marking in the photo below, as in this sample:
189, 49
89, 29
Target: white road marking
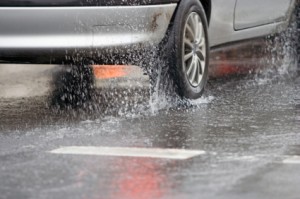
292, 160
179, 154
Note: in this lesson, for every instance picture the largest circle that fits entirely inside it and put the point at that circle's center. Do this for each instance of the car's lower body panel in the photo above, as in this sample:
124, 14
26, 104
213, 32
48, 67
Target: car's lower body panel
38, 3
55, 31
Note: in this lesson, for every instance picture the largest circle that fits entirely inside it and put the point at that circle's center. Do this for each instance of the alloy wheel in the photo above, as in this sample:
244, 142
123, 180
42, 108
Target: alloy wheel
194, 49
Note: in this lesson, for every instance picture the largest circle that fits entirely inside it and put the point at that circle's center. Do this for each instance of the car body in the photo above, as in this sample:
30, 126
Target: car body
45, 30
56, 31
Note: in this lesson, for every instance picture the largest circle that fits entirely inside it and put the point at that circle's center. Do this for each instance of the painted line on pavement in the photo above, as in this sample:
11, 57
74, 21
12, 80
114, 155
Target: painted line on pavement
292, 160
177, 154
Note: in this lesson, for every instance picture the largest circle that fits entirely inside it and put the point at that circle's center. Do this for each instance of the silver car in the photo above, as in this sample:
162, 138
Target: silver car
183, 31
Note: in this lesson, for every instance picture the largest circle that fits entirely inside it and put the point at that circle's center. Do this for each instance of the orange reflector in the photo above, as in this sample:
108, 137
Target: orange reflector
219, 70
110, 71
228, 70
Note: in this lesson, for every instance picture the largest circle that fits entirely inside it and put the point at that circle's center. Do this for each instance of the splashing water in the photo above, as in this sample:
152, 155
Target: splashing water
282, 54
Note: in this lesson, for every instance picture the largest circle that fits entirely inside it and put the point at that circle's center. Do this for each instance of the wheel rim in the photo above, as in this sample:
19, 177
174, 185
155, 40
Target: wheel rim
194, 49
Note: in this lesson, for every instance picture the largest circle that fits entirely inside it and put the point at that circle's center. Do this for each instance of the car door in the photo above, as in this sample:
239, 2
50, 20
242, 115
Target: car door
252, 13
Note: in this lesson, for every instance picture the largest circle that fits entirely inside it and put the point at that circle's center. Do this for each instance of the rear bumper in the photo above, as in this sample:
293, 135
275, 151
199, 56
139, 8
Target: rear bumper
53, 31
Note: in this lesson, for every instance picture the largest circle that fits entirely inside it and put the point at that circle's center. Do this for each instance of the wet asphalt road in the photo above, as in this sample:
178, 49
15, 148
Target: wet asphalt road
248, 127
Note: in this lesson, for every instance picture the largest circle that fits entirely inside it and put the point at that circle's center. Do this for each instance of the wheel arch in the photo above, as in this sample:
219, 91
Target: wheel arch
207, 8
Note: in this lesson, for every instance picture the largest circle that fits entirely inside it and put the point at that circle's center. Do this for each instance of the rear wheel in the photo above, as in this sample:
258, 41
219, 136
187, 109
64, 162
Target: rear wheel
73, 86
188, 49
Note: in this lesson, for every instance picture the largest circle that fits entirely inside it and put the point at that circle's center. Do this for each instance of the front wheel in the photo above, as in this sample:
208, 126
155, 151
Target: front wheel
188, 49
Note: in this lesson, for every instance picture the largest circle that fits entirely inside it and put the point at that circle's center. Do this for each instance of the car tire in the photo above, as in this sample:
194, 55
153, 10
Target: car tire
73, 86
187, 49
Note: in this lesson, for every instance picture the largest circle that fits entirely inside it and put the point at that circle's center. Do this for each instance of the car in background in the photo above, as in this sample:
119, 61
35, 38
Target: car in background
54, 31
